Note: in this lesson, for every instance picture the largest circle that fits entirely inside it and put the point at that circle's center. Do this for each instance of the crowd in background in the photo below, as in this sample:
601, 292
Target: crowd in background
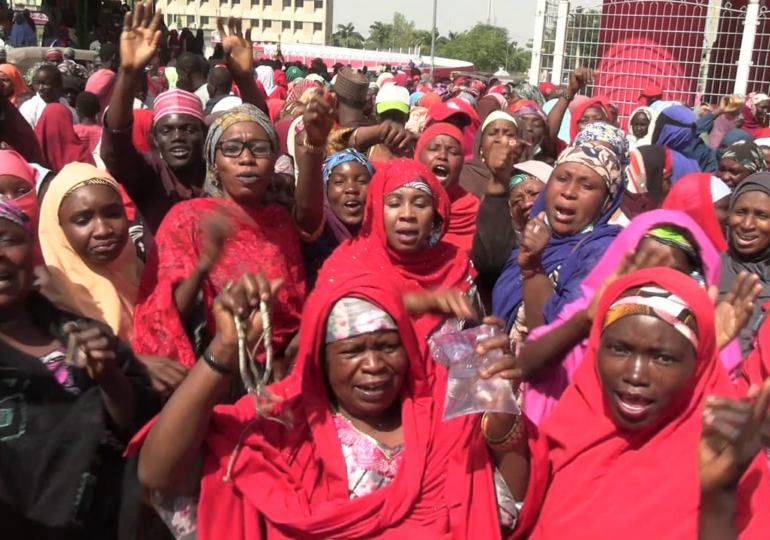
222, 280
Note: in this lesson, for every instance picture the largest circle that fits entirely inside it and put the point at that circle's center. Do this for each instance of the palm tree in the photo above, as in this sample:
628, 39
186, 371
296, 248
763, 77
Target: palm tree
422, 38
380, 34
347, 36
453, 36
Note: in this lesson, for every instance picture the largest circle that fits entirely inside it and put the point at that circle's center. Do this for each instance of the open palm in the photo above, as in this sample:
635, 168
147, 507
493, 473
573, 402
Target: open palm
141, 37
238, 47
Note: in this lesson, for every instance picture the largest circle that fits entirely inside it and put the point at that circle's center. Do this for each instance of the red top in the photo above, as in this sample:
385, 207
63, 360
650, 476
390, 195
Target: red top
692, 195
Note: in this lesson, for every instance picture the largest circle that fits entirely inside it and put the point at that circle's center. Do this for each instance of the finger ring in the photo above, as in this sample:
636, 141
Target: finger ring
126, 28
536, 228
228, 286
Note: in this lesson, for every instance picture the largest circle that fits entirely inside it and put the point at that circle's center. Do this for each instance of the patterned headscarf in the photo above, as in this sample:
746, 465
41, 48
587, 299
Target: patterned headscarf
747, 154
349, 154
670, 235
658, 303
293, 73
241, 113
529, 91
10, 211
609, 134
600, 159
755, 98
351, 317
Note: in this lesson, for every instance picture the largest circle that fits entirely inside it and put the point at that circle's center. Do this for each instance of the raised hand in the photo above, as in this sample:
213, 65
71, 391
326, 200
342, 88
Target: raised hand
579, 79
242, 299
141, 37
731, 438
318, 118
734, 311
237, 45
95, 349
534, 239
649, 255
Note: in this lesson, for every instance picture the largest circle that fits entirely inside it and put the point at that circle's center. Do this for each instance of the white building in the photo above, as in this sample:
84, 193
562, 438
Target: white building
288, 21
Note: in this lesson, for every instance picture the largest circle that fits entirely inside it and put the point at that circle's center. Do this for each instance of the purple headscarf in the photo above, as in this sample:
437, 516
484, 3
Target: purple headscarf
540, 398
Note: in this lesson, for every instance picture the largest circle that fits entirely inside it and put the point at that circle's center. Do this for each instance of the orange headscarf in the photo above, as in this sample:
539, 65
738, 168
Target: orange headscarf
19, 86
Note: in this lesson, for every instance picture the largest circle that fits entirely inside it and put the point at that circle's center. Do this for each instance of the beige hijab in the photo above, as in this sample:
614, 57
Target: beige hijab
106, 293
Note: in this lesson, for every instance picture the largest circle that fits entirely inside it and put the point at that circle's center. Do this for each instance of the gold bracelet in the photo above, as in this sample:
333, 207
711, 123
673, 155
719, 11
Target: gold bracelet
507, 442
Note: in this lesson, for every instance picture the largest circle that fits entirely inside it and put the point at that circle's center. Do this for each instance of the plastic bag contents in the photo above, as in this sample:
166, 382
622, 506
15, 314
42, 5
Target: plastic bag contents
467, 392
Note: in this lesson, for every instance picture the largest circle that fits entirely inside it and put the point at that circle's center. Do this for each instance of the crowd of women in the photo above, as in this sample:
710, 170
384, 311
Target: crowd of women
218, 302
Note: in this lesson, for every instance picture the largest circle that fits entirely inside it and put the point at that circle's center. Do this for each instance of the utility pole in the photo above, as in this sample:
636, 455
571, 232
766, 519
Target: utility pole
489, 13
433, 41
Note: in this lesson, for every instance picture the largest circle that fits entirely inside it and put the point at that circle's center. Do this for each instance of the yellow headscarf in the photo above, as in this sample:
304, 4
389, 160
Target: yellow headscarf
106, 293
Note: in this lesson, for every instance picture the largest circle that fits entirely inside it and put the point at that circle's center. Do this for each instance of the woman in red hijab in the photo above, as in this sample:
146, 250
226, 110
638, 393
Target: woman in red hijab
440, 149
58, 140
637, 448
366, 454
693, 195
406, 220
591, 111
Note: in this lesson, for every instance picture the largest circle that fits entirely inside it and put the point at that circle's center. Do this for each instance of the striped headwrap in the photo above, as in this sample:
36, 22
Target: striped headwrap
241, 113
10, 211
344, 156
658, 303
351, 317
177, 101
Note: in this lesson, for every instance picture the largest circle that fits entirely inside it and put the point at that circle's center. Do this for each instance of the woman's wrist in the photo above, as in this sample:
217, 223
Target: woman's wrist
225, 352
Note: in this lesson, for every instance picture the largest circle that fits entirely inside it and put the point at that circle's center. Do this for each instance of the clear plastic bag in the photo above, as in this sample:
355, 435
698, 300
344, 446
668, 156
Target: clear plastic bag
467, 392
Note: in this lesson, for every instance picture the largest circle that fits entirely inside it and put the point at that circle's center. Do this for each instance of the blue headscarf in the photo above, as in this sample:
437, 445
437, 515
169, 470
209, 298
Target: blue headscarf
574, 256
334, 225
414, 99
676, 129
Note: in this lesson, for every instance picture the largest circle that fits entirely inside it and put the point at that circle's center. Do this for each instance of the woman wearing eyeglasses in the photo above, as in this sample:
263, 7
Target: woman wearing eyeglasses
205, 244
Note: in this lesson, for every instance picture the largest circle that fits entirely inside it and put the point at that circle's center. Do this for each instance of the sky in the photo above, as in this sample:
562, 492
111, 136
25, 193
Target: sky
518, 16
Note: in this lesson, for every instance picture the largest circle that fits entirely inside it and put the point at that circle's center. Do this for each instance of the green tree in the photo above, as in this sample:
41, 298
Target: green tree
380, 35
484, 45
422, 38
403, 32
346, 36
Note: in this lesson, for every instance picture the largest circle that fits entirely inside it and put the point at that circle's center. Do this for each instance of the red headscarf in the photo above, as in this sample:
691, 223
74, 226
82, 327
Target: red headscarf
13, 164
649, 93
464, 205
141, 131
516, 106
101, 83
263, 240
280, 78
293, 483
400, 79
596, 102
610, 483
19, 86
441, 266
58, 140
692, 195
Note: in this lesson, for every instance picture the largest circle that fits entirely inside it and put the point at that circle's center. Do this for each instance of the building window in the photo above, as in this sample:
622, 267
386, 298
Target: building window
254, 3
236, 2
298, 26
267, 25
268, 3
299, 4
255, 23
319, 4
286, 25
317, 27
191, 20
204, 21
286, 4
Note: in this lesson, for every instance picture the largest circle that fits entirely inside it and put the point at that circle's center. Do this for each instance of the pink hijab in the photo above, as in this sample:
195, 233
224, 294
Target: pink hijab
101, 83
540, 398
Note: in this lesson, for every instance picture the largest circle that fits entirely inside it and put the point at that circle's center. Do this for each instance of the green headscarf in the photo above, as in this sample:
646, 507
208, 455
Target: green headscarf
293, 73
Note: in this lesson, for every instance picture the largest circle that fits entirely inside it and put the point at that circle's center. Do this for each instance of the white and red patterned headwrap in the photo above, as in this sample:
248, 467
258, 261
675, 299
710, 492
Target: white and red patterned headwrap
177, 101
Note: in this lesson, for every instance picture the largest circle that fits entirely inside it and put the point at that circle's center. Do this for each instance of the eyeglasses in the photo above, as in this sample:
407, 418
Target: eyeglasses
257, 147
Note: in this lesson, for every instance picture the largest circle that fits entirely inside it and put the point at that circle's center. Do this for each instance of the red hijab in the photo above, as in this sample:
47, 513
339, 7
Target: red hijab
692, 195
608, 483
289, 484
12, 163
58, 140
429, 100
464, 206
274, 107
597, 103
441, 266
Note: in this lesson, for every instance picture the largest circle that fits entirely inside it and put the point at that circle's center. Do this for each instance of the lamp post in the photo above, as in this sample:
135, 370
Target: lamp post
507, 52
433, 42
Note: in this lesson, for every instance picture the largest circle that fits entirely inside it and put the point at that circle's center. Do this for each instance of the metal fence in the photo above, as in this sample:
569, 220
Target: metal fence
696, 50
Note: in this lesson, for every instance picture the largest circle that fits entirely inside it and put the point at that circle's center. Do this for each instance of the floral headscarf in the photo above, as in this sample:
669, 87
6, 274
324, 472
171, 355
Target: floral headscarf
241, 113
606, 133
600, 159
747, 154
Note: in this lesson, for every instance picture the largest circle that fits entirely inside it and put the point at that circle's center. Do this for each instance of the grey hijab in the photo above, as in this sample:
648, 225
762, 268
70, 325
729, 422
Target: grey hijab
733, 263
